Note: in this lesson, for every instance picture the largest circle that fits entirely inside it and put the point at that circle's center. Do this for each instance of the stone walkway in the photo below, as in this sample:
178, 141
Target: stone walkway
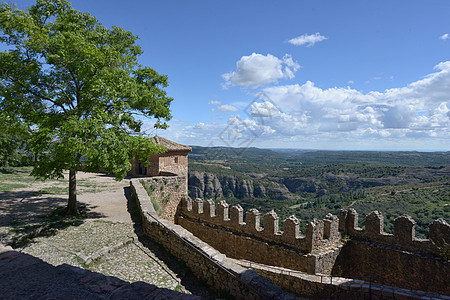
109, 241
26, 277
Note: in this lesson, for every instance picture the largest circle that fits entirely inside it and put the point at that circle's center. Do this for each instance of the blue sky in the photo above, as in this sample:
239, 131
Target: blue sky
365, 75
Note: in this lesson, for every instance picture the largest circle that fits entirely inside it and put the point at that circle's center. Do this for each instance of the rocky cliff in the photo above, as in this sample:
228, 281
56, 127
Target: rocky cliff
213, 185
208, 185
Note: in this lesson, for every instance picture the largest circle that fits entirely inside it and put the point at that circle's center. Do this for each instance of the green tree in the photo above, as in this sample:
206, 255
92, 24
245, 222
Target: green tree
77, 88
9, 147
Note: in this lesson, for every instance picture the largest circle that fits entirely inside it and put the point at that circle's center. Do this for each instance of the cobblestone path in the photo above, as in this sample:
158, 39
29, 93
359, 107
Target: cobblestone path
110, 248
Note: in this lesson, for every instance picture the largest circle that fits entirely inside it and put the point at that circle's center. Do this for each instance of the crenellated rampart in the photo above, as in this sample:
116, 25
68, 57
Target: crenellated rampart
225, 229
404, 236
398, 259
320, 234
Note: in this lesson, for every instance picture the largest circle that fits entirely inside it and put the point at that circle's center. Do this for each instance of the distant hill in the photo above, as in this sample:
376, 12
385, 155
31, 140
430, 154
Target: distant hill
311, 183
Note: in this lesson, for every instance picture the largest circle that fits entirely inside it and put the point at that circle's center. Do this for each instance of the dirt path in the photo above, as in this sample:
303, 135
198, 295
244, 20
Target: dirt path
110, 201
104, 197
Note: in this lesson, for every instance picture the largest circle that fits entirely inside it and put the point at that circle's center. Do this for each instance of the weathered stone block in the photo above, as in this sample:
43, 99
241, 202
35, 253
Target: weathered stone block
342, 220
440, 233
291, 229
210, 208
222, 210
314, 234
237, 215
330, 227
404, 228
187, 204
374, 223
197, 206
253, 220
271, 224
351, 223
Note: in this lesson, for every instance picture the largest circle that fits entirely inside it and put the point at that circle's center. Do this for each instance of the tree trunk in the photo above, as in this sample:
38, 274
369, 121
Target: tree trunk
72, 209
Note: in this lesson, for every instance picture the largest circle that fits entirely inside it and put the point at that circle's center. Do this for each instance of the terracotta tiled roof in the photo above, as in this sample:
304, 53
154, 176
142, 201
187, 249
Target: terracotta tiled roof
169, 145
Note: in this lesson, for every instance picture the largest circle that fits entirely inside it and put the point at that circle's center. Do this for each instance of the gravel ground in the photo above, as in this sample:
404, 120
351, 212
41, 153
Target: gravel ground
106, 242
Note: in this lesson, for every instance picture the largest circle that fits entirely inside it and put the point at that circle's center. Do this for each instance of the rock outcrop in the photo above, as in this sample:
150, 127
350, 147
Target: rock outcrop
208, 185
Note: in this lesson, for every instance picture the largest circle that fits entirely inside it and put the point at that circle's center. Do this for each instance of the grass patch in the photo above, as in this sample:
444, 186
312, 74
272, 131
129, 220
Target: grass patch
54, 190
156, 205
7, 187
16, 174
150, 188
179, 288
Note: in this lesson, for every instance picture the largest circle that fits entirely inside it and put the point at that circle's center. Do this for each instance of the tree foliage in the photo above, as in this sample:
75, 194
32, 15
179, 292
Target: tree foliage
77, 88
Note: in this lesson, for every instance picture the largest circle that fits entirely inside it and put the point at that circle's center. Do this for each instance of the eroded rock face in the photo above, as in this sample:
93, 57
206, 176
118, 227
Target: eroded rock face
208, 185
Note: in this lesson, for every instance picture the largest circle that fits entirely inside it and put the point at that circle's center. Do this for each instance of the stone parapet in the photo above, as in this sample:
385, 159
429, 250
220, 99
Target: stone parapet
335, 287
320, 234
404, 232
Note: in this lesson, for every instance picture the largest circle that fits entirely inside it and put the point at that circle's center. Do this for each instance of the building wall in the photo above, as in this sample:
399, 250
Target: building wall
175, 162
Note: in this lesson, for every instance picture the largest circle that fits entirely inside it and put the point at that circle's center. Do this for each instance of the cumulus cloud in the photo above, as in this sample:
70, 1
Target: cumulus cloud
214, 102
227, 108
420, 106
445, 36
420, 109
414, 117
258, 70
307, 39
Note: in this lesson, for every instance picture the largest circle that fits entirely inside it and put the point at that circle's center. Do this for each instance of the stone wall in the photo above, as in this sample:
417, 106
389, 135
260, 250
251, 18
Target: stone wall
358, 257
320, 234
168, 192
331, 287
314, 252
218, 271
399, 259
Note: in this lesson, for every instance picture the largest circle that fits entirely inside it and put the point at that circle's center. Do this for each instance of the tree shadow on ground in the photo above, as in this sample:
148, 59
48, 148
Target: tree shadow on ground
188, 279
26, 215
27, 277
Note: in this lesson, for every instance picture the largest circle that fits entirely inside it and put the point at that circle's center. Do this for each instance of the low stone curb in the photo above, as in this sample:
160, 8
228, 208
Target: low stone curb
105, 250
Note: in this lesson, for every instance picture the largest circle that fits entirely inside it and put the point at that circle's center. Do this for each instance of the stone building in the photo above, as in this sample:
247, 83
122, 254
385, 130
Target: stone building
172, 162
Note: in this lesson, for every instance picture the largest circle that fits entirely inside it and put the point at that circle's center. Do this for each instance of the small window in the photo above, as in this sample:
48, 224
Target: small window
176, 160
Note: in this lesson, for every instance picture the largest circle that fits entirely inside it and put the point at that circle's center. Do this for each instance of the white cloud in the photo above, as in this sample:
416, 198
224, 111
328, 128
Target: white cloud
214, 102
258, 70
307, 39
227, 108
413, 117
422, 106
445, 36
